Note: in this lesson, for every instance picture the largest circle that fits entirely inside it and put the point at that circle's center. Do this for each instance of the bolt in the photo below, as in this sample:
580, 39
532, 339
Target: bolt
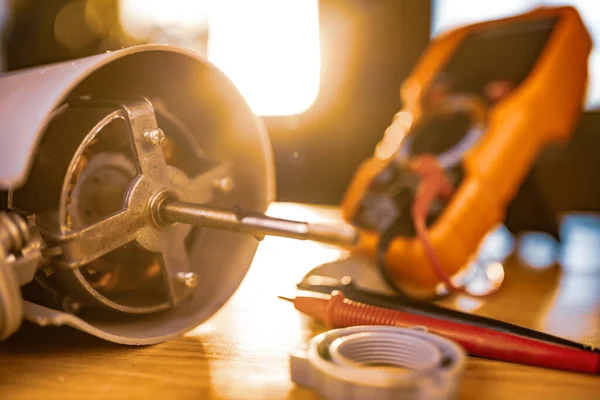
190, 279
155, 137
71, 306
224, 184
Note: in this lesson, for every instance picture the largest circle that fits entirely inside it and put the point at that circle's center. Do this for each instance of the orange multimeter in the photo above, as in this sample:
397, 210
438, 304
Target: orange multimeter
483, 101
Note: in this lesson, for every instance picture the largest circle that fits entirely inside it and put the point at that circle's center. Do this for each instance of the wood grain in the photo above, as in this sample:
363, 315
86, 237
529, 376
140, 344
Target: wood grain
242, 352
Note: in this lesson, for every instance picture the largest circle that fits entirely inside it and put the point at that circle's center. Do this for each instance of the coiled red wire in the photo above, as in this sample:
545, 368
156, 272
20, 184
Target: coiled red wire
434, 184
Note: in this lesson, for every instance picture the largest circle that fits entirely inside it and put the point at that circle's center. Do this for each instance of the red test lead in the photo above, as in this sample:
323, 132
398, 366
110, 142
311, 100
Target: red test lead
340, 312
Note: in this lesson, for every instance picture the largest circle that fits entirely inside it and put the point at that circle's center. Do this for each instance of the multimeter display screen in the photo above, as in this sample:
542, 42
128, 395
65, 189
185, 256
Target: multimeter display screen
505, 52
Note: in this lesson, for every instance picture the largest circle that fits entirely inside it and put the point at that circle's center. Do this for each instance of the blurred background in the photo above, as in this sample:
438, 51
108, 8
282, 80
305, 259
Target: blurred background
324, 74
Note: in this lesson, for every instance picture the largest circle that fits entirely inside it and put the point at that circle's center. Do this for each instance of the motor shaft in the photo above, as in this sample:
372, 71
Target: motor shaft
254, 223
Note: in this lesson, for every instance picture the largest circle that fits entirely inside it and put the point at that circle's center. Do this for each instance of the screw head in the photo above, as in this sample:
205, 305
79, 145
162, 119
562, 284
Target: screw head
155, 137
70, 305
189, 279
224, 184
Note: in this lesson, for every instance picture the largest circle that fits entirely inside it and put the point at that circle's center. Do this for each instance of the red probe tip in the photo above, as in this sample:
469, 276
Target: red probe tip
286, 298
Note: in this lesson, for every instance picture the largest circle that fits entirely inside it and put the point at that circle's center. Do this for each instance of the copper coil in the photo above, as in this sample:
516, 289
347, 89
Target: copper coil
108, 275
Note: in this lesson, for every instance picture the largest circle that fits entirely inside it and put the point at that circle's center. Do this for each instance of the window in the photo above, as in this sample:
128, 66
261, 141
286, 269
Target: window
270, 49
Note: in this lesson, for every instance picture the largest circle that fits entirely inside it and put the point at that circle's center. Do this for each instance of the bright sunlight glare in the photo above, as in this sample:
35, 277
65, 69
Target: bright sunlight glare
142, 18
269, 49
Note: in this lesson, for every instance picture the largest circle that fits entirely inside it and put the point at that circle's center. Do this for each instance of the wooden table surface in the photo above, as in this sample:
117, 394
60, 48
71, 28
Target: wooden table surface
242, 352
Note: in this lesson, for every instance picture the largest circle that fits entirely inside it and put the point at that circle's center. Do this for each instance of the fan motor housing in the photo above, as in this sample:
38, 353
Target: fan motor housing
65, 132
